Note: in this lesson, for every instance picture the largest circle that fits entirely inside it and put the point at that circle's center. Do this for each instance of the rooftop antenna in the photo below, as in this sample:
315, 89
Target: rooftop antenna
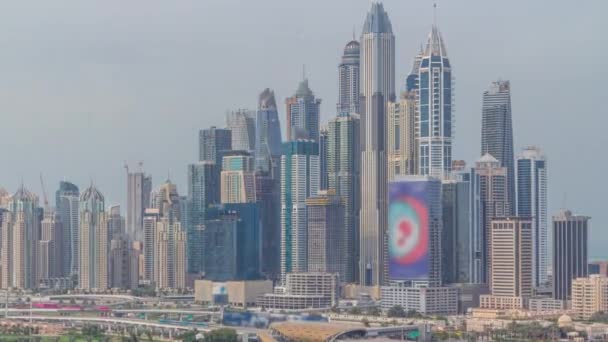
354, 32
435, 14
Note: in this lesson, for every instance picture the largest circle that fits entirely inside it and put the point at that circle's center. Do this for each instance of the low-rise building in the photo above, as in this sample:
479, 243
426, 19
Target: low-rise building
312, 290
589, 295
239, 293
425, 300
546, 304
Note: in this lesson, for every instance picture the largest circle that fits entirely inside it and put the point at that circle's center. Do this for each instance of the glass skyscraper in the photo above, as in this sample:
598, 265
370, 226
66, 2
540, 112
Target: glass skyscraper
343, 175
67, 199
303, 112
497, 130
434, 124
532, 202
267, 134
349, 78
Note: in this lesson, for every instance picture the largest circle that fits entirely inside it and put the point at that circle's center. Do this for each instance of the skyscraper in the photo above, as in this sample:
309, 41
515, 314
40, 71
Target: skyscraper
203, 191
299, 180
378, 87
460, 209
268, 198
139, 186
238, 178
151, 218
401, 140
67, 205
532, 202
323, 182
570, 251
327, 234
241, 124
20, 237
303, 112
497, 130
170, 255
343, 175
349, 76
93, 241
124, 263
492, 183
50, 252
511, 249
268, 135
248, 246
434, 126
213, 142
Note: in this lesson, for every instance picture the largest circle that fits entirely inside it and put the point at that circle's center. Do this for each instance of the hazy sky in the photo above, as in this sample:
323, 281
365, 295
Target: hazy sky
86, 85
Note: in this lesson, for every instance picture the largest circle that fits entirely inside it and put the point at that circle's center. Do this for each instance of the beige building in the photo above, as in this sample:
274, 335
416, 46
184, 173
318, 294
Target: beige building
402, 149
49, 250
511, 254
20, 236
240, 293
308, 290
237, 178
170, 255
93, 232
589, 295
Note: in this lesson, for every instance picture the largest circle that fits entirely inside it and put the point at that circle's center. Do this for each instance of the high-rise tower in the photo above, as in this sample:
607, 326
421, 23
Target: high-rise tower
139, 186
532, 202
434, 124
267, 134
303, 112
93, 241
241, 123
377, 88
497, 130
570, 251
67, 200
349, 76
343, 175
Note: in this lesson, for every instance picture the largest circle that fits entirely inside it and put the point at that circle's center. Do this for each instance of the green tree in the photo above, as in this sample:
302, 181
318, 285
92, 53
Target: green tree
355, 310
374, 311
365, 322
221, 335
396, 311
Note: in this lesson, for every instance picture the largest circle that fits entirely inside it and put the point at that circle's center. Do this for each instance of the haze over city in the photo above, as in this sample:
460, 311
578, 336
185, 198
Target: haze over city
86, 87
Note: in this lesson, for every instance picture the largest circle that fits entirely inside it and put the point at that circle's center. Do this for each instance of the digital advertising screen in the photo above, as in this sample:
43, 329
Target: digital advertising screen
408, 230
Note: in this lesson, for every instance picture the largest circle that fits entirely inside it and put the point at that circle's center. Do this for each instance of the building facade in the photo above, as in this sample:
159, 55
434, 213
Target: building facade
20, 241
497, 131
299, 180
349, 78
570, 251
241, 124
303, 114
326, 234
424, 300
94, 241
492, 183
344, 178
589, 296
268, 135
67, 205
213, 142
377, 89
511, 271
435, 98
401, 140
237, 178
531, 193
139, 187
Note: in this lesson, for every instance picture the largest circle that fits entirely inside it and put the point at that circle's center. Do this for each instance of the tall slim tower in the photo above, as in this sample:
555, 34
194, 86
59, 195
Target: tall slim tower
299, 180
497, 130
491, 182
378, 87
532, 202
303, 112
20, 237
344, 178
349, 76
268, 134
434, 124
67, 200
93, 241
139, 186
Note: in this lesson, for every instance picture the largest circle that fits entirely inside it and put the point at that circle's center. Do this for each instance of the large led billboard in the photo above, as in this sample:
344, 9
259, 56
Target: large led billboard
408, 229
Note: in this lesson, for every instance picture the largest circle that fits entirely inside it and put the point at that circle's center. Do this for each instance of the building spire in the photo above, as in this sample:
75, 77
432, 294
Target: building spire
435, 14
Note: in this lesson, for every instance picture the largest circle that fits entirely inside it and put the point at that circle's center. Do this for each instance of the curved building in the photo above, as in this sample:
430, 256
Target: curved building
349, 75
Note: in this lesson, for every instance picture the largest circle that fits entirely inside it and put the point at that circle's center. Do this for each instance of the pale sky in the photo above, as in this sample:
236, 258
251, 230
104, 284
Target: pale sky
86, 85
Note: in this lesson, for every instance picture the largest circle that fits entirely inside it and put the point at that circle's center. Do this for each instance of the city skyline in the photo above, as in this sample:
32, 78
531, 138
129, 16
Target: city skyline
106, 175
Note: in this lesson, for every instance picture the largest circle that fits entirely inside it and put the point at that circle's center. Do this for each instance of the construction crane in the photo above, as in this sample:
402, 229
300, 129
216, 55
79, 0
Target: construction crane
44, 197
